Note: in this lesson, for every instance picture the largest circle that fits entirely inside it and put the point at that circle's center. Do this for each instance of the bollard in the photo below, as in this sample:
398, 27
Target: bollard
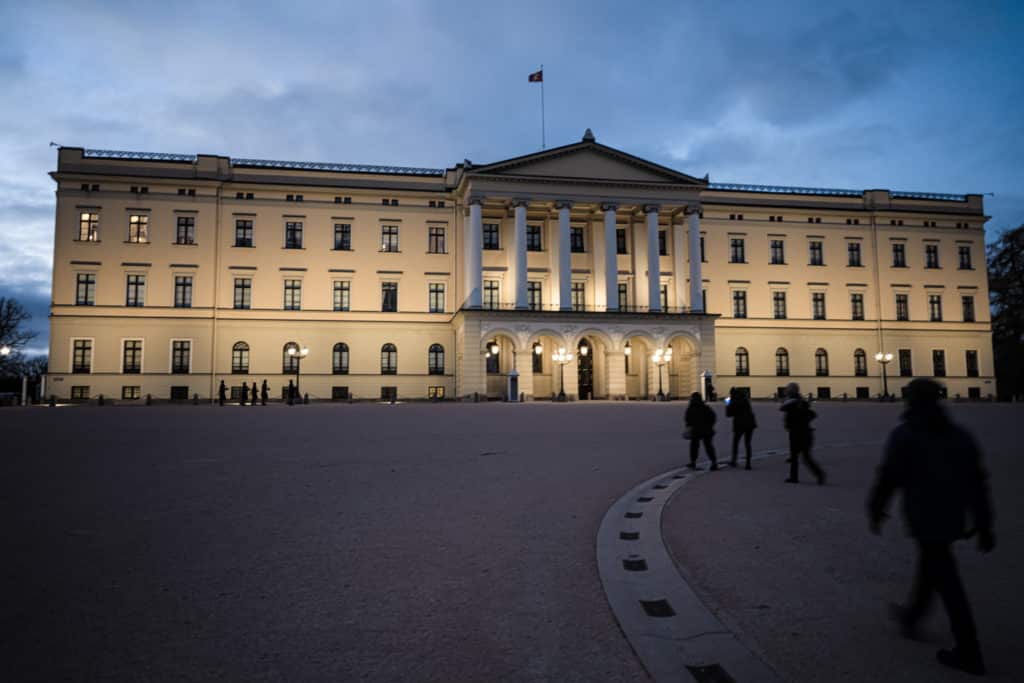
100, 401
195, 399
149, 399
476, 397
522, 396
53, 401
305, 399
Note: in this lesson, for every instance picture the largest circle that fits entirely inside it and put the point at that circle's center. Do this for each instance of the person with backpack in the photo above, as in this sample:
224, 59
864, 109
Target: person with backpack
797, 420
743, 422
699, 426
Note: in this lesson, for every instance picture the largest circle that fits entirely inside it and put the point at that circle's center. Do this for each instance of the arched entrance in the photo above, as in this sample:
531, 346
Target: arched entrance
585, 365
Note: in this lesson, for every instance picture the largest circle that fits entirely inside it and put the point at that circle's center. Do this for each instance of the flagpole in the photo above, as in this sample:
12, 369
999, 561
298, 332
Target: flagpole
543, 138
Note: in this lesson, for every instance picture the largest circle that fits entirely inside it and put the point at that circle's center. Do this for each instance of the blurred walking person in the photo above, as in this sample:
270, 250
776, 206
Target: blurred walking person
245, 394
699, 426
797, 420
743, 422
937, 466
264, 393
254, 394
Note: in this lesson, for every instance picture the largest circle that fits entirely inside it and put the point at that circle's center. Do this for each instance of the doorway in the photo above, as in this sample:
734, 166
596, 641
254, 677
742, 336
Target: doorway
585, 354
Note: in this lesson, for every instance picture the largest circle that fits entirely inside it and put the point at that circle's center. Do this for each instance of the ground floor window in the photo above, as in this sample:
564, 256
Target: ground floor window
79, 393
179, 393
863, 392
389, 393
824, 392
131, 393
339, 393
435, 393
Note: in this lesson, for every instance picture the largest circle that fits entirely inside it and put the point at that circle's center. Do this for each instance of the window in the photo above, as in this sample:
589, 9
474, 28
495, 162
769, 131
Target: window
939, 363
896, 222
389, 238
899, 255
620, 241
79, 393
774, 219
181, 356
703, 258
243, 233
967, 302
435, 359
781, 362
971, 360
186, 231
576, 240
902, 307
737, 250
853, 221
240, 358
138, 229
491, 298
89, 227
293, 235
533, 295
183, 291
131, 357
289, 361
81, 356
778, 252
343, 236
964, 251
817, 257
663, 295
388, 360
779, 305
906, 366
742, 362
662, 248
533, 238
493, 364
579, 296
436, 297
342, 295
435, 239
243, 293
491, 236
135, 290
85, 289
435, 393
131, 393
339, 359
389, 297
931, 256
739, 304
857, 306
821, 363
860, 363
818, 305
623, 296
853, 254
292, 295
935, 307
538, 358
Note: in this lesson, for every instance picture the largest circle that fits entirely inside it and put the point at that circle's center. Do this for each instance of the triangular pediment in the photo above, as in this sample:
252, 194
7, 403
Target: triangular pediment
587, 160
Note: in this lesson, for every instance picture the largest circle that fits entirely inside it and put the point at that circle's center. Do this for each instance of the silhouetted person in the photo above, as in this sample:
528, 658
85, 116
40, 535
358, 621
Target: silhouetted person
264, 393
798, 416
222, 393
291, 393
245, 393
937, 466
743, 422
700, 427
254, 393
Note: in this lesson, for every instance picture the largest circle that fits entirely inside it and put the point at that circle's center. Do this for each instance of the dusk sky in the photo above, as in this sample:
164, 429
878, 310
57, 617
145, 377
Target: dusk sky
912, 96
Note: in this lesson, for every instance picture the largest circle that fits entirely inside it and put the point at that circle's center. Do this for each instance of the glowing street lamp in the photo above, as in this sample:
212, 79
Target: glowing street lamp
884, 359
661, 357
561, 357
5, 350
298, 355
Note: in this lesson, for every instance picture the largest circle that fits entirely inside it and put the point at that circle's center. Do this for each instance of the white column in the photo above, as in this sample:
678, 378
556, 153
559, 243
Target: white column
696, 281
678, 262
472, 254
611, 259
653, 260
564, 258
519, 254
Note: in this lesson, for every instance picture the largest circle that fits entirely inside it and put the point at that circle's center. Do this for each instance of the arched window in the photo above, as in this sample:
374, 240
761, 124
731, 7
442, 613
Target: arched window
860, 363
538, 358
289, 363
781, 362
339, 359
388, 360
240, 358
821, 363
742, 362
435, 359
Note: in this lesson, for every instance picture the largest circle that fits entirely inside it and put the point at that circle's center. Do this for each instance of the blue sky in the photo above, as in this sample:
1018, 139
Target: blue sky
913, 96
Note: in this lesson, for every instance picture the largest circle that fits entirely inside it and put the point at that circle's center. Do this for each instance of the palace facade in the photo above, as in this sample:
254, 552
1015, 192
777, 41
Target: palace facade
172, 273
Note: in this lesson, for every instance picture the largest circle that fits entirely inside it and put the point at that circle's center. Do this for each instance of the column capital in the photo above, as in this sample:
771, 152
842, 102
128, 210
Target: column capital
520, 202
563, 204
693, 208
474, 199
652, 208
609, 206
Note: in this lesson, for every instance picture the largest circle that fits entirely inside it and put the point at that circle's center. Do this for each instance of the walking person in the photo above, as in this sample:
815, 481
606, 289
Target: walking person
291, 393
937, 466
264, 393
797, 420
743, 422
700, 427
245, 393
254, 393
222, 393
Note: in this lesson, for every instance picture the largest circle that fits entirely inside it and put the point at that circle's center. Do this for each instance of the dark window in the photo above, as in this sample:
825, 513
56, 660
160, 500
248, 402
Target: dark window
491, 297
971, 360
623, 296
243, 293
343, 236
436, 297
292, 295
533, 238
85, 289
533, 295
739, 304
967, 302
620, 241
181, 352
293, 235
138, 228
243, 233
389, 238
183, 291
186, 231
663, 294
964, 251
576, 240
339, 393
388, 360
931, 256
339, 359
857, 306
939, 363
899, 255
240, 358
821, 363
863, 392
289, 361
81, 357
779, 305
538, 358
491, 236
817, 256
342, 295
136, 290
389, 297
493, 360
902, 307
778, 251
79, 393
737, 250
131, 359
179, 393
662, 248
781, 362
579, 296
906, 365
435, 239
935, 308
818, 305
435, 359
703, 258
853, 254
742, 362
860, 363
88, 227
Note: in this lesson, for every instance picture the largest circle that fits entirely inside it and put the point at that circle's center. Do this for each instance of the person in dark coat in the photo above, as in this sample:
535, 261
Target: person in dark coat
291, 392
245, 393
743, 422
264, 393
700, 427
222, 393
798, 416
937, 466
254, 393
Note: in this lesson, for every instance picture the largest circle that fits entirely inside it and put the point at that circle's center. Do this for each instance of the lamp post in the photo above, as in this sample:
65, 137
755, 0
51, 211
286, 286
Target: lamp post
660, 358
298, 355
884, 359
561, 357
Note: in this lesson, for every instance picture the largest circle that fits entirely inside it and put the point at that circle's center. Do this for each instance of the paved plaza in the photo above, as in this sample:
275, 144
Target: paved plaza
444, 542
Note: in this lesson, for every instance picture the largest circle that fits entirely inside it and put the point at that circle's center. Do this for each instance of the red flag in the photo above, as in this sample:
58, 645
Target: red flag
537, 76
